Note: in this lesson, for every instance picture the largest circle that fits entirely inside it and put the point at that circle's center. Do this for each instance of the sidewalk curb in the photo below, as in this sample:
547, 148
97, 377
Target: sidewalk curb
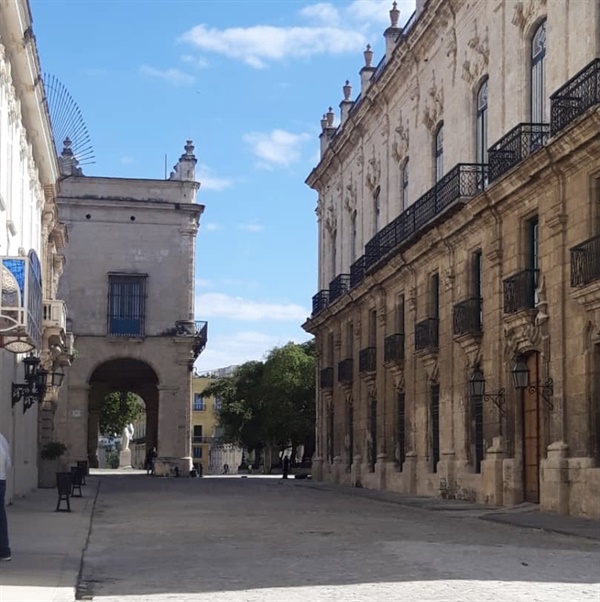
81, 590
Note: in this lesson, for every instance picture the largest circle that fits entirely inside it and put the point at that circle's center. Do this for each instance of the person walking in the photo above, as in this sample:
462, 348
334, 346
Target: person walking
5, 464
286, 466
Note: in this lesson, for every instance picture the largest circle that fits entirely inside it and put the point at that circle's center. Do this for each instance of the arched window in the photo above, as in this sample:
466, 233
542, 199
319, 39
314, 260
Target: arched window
439, 152
404, 190
353, 238
482, 123
376, 209
538, 74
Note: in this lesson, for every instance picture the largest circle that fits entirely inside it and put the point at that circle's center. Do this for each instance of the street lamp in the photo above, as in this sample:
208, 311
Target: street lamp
36, 383
520, 374
477, 389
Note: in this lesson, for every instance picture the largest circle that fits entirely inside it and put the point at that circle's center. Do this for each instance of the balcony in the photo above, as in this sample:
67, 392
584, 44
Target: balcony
522, 141
357, 272
573, 99
466, 317
203, 440
345, 371
339, 286
462, 182
367, 360
197, 329
520, 291
585, 262
326, 378
54, 317
427, 335
320, 301
393, 348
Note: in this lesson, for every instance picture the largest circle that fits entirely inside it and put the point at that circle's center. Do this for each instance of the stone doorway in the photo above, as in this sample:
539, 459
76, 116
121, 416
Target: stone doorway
117, 375
532, 432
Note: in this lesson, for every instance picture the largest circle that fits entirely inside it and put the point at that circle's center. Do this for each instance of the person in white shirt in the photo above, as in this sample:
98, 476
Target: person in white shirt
4, 467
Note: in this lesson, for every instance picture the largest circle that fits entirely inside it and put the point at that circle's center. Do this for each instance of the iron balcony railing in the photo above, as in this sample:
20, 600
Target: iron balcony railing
320, 301
463, 181
573, 99
345, 371
367, 360
326, 378
466, 317
393, 348
585, 262
427, 334
339, 286
357, 272
522, 141
520, 291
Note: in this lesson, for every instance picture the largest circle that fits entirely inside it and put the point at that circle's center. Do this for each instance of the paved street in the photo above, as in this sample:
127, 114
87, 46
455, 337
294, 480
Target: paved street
263, 540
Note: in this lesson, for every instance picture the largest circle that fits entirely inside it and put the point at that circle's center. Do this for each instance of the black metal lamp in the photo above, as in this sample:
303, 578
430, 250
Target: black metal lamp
30, 363
56, 379
477, 389
520, 374
34, 387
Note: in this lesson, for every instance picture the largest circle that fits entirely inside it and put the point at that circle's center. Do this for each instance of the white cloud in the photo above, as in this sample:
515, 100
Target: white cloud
209, 226
323, 12
260, 44
199, 62
172, 76
236, 348
251, 227
203, 283
376, 12
210, 182
276, 148
219, 305
127, 160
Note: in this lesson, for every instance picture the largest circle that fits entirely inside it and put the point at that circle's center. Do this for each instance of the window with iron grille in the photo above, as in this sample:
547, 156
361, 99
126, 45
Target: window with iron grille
199, 405
477, 430
596, 406
538, 74
372, 327
353, 238
126, 304
434, 417
373, 428
434, 296
400, 314
401, 434
350, 433
349, 339
197, 451
439, 153
330, 432
404, 197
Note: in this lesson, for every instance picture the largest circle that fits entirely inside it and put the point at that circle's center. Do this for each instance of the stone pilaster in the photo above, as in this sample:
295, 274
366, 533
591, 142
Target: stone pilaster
492, 473
554, 479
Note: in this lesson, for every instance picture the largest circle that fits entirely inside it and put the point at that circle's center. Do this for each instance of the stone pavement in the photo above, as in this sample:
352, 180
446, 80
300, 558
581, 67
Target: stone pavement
46, 546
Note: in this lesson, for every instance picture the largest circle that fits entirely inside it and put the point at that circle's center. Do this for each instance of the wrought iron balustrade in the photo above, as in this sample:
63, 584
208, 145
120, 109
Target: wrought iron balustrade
367, 360
393, 348
357, 272
320, 301
427, 334
463, 181
346, 371
466, 317
326, 378
585, 262
575, 97
522, 141
339, 286
520, 291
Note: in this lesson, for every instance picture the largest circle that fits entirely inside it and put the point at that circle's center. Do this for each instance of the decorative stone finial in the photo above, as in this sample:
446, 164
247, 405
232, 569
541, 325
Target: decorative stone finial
394, 14
324, 122
185, 169
67, 162
368, 54
330, 117
347, 90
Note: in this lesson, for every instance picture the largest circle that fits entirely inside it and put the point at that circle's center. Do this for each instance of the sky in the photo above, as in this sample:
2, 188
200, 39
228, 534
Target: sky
248, 81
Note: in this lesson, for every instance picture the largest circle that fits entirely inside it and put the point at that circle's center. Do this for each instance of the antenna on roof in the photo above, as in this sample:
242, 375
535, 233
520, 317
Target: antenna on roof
165, 166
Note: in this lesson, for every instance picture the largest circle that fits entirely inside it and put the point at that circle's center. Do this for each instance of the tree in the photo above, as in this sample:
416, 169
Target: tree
118, 410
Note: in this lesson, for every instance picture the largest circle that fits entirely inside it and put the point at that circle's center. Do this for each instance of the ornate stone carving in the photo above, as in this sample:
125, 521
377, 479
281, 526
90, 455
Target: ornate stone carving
385, 128
401, 140
330, 219
415, 99
451, 51
527, 12
477, 61
449, 279
434, 105
412, 298
351, 198
373, 171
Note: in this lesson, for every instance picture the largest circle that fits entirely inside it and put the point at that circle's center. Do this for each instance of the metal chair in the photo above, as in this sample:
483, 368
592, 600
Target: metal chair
63, 485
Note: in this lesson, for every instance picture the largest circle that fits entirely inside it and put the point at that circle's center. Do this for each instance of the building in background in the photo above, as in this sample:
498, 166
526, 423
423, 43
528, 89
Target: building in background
34, 343
458, 314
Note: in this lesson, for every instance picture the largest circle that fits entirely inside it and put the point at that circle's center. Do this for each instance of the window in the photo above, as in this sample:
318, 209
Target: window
477, 429
197, 437
400, 317
329, 356
330, 432
404, 191
434, 296
538, 74
439, 152
218, 403
199, 403
126, 304
333, 255
349, 339
477, 281
350, 433
532, 241
401, 434
481, 145
353, 238
372, 328
376, 209
595, 423
434, 418
373, 429
197, 451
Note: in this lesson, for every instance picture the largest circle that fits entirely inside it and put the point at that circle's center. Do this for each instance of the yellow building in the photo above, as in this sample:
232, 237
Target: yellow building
204, 422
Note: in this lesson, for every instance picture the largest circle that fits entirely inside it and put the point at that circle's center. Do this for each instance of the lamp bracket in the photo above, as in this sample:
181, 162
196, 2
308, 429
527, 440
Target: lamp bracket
545, 390
498, 399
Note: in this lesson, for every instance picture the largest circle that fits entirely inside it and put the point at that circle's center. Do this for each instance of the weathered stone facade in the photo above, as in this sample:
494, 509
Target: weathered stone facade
445, 260
130, 280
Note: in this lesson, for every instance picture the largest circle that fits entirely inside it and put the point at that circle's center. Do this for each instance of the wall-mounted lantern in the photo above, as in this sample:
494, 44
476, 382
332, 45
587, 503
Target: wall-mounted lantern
520, 373
477, 389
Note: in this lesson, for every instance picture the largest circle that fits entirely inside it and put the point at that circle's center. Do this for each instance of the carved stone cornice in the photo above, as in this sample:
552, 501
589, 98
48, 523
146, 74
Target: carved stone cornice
521, 333
434, 105
477, 60
526, 13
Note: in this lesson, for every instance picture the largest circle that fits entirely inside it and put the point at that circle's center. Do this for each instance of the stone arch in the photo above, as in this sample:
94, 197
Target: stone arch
122, 374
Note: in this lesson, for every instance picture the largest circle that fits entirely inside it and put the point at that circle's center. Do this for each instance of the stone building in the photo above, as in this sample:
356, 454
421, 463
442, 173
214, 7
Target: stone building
458, 313
130, 282
33, 338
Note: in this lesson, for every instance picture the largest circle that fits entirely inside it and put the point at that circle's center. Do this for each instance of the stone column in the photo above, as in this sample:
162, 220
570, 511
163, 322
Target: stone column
492, 473
355, 471
76, 428
409, 473
554, 479
335, 469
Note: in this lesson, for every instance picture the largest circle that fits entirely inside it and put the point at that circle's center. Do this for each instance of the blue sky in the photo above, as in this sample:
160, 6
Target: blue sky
248, 81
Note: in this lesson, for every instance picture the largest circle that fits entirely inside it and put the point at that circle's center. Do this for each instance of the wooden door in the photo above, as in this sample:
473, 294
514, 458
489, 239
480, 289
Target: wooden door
531, 435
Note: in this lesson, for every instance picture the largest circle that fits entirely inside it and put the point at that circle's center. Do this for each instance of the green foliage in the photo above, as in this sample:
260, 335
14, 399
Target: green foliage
53, 450
118, 410
271, 402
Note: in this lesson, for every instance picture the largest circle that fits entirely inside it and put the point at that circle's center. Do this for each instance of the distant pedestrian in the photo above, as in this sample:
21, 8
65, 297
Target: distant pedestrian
5, 464
150, 459
286, 466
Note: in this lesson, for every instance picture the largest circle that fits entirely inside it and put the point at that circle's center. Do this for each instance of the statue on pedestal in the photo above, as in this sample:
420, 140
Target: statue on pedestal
125, 453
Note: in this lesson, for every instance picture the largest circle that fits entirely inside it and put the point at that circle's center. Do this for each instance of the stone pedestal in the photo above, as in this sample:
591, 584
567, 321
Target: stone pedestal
165, 466
125, 458
492, 473
554, 479
355, 476
512, 482
380, 471
409, 472
317, 468
335, 469
447, 479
